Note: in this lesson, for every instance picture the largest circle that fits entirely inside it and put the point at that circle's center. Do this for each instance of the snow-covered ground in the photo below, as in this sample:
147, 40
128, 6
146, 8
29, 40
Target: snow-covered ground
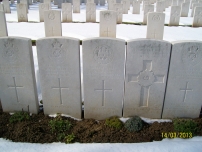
35, 30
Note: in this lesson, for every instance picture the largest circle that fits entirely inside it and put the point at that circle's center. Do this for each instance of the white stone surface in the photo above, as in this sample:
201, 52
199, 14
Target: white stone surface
26, 3
3, 25
136, 7
108, 24
102, 2
1, 7
17, 77
52, 23
111, 4
90, 12
76, 6
89, 1
22, 12
183, 93
160, 6
185, 9
155, 27
103, 77
193, 8
145, 3
59, 69
66, 12
146, 76
125, 6
175, 15
147, 9
193, 1
6, 5
197, 19
179, 2
118, 7
43, 7
174, 3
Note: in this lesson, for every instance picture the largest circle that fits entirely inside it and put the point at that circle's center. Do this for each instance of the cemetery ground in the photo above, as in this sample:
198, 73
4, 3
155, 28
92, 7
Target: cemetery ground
44, 129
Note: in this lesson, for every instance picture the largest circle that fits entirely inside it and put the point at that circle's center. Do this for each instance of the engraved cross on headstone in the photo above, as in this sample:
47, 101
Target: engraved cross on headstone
67, 13
103, 91
52, 31
185, 91
60, 90
15, 86
107, 31
145, 79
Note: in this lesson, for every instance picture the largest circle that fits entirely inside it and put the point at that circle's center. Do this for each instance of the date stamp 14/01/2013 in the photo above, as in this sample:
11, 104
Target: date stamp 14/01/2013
176, 135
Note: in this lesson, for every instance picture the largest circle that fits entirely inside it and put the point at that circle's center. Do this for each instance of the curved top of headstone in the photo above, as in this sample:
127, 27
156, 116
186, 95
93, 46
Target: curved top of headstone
15, 37
103, 38
186, 41
58, 37
145, 39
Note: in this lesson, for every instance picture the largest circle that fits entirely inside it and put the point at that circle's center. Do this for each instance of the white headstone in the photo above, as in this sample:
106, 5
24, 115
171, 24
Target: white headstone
47, 1
179, 2
17, 79
118, 7
59, 65
89, 1
6, 5
193, 8
160, 6
52, 23
155, 25
76, 6
43, 7
147, 9
193, 1
146, 76
185, 9
66, 12
108, 24
183, 94
3, 25
103, 77
102, 2
111, 4
145, 3
26, 3
174, 15
1, 7
125, 6
22, 12
90, 12
174, 3
197, 20
136, 7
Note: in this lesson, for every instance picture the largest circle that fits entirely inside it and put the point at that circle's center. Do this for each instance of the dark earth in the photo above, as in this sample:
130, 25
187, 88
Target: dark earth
37, 130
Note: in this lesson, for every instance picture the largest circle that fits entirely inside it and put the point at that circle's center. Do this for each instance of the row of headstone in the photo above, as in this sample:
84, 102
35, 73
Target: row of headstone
108, 21
144, 88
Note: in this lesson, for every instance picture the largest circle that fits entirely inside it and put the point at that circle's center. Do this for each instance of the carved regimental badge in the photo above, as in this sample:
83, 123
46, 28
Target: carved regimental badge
192, 55
103, 54
10, 52
56, 49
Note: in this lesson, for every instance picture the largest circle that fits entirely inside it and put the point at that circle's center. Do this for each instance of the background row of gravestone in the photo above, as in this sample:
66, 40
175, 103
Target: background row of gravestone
115, 79
176, 11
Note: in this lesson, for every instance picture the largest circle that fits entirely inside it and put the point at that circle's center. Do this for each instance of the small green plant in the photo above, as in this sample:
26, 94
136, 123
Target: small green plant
134, 124
19, 116
69, 138
114, 122
185, 126
58, 125
60, 136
